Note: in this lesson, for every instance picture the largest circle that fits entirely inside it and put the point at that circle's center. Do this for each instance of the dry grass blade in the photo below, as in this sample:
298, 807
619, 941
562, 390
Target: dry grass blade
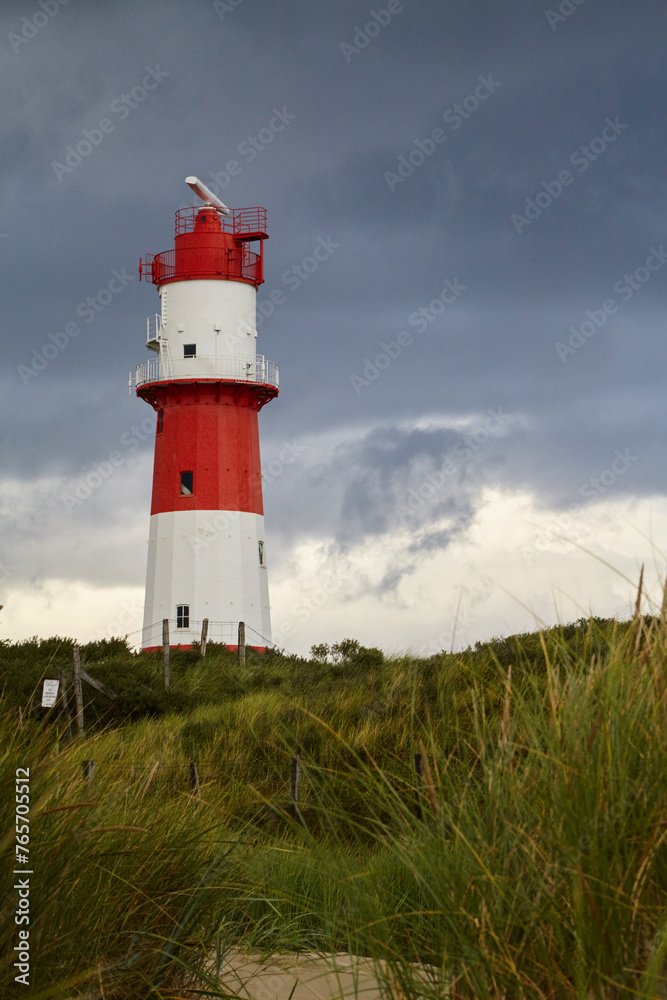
639, 592
149, 779
110, 829
428, 777
597, 722
637, 618
642, 874
506, 721
72, 805
591, 901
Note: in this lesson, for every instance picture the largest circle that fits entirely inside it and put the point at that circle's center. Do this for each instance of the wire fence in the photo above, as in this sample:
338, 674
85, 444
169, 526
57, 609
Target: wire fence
55, 690
184, 774
187, 775
150, 636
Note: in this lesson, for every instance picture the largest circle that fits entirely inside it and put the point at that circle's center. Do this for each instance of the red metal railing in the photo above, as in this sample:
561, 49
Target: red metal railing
239, 263
237, 223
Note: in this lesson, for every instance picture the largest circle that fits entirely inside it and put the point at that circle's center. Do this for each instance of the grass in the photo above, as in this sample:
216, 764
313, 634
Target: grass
530, 862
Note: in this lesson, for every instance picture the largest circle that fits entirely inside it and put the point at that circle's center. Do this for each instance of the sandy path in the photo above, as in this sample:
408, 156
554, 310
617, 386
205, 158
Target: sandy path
300, 977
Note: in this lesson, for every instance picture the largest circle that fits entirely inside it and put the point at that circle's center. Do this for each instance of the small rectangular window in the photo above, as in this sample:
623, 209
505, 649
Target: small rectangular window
261, 553
160, 421
187, 484
189, 350
183, 616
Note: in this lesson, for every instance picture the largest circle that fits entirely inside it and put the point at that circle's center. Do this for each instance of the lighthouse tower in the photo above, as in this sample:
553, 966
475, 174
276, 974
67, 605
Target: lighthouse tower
206, 551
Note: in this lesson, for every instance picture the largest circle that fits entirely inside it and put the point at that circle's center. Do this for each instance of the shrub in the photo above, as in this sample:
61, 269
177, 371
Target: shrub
368, 657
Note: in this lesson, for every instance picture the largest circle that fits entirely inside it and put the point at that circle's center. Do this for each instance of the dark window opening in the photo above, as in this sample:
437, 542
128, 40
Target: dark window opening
189, 350
183, 616
187, 484
160, 421
261, 553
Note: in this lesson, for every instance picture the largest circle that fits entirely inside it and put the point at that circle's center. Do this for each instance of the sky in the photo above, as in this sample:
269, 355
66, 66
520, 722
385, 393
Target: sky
469, 439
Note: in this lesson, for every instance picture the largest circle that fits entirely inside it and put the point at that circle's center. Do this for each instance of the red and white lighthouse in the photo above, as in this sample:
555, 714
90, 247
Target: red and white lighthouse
206, 552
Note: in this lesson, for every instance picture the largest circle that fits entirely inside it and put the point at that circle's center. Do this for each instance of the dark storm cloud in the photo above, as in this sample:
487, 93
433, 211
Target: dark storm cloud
394, 481
352, 120
391, 480
383, 475
408, 491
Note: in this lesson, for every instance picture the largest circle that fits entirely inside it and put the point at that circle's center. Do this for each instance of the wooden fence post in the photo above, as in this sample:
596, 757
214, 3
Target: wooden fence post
204, 634
88, 769
241, 644
193, 780
419, 771
78, 694
165, 650
98, 685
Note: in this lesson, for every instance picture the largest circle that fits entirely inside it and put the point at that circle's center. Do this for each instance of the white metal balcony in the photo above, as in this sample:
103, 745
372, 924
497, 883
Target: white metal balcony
232, 368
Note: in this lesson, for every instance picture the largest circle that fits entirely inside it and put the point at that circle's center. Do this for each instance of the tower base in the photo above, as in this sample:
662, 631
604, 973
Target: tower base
232, 649
206, 564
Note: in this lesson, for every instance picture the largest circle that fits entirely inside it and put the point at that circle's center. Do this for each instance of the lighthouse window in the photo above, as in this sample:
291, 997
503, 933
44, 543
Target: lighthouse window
189, 350
160, 421
261, 553
182, 616
187, 484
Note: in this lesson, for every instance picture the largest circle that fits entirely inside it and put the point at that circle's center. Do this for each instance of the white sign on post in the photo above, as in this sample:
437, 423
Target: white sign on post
50, 693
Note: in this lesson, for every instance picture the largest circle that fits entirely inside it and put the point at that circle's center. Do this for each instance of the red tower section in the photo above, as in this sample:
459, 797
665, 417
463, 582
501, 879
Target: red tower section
207, 245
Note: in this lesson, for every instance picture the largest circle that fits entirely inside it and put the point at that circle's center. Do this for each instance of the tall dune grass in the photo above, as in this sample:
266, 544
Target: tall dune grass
530, 862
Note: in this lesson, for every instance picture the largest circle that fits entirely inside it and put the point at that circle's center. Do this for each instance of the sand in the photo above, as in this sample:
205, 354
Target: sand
307, 976
301, 977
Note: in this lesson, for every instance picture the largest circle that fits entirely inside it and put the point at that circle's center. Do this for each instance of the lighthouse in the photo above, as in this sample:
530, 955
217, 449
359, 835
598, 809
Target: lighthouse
206, 551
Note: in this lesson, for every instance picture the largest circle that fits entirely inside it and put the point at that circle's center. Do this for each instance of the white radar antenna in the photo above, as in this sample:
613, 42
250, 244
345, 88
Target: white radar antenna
206, 196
